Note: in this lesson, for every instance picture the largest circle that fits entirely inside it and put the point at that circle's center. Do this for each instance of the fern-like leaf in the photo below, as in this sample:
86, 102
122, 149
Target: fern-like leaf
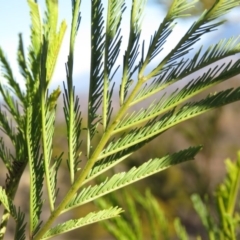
71, 103
112, 48
74, 130
177, 9
36, 29
5, 154
8, 75
36, 174
183, 68
202, 26
12, 104
132, 49
155, 126
76, 223
135, 174
53, 177
6, 125
96, 71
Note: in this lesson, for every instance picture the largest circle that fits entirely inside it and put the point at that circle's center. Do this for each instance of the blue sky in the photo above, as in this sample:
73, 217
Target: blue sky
15, 19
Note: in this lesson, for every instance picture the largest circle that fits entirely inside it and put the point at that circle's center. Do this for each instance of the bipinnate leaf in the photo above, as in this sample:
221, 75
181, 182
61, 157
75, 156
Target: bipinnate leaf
172, 61
156, 126
185, 67
76, 223
123, 179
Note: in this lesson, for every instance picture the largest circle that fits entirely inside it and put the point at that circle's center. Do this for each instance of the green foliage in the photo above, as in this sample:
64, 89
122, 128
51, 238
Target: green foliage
130, 224
227, 208
224, 225
33, 110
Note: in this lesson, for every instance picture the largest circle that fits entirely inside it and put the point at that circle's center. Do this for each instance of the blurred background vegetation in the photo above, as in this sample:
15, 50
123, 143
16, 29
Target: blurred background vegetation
218, 131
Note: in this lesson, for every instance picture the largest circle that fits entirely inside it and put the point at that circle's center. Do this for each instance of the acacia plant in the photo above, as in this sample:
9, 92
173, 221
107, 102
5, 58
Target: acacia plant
28, 114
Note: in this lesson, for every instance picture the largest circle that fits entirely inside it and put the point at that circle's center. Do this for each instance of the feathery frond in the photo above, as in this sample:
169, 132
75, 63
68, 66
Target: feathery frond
48, 136
122, 179
192, 88
5, 154
74, 130
50, 47
202, 26
89, 219
154, 127
36, 28
11, 104
53, 177
183, 68
55, 42
36, 40
112, 48
36, 175
71, 102
22, 63
6, 125
47, 123
8, 75
177, 9
132, 51
96, 71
